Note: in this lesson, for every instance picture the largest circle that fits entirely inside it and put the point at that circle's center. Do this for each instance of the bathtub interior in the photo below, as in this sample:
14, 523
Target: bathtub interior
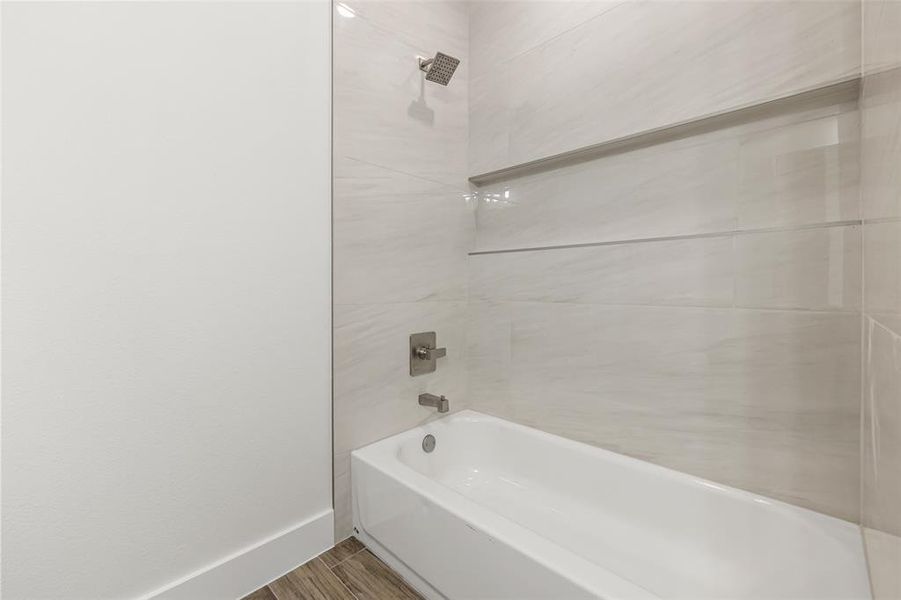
675, 535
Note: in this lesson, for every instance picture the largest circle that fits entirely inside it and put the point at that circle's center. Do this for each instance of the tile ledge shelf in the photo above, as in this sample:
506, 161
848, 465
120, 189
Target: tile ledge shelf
834, 92
672, 238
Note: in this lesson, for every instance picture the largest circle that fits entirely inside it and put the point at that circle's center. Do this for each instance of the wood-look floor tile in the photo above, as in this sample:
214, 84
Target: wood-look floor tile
311, 581
371, 579
342, 551
264, 593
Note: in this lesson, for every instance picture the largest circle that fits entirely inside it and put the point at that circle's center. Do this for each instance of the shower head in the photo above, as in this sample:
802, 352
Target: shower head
439, 69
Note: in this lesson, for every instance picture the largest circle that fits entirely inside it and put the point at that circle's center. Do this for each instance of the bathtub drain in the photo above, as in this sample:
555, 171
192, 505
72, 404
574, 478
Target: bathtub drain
428, 443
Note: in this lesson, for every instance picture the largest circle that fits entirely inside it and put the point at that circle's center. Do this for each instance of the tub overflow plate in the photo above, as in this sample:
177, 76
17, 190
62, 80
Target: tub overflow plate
428, 443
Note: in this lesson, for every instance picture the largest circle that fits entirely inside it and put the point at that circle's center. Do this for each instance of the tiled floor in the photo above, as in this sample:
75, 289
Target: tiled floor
346, 572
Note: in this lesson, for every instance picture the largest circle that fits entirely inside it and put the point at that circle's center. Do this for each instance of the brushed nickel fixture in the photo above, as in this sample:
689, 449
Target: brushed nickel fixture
424, 353
428, 443
439, 69
439, 402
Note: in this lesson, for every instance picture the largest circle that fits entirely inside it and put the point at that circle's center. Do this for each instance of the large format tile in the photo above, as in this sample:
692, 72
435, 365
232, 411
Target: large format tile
433, 25
386, 113
817, 269
401, 222
683, 272
800, 172
397, 238
881, 144
342, 493
693, 58
881, 195
884, 561
882, 430
489, 126
374, 394
676, 188
502, 30
754, 399
881, 42
882, 267
488, 353
799, 168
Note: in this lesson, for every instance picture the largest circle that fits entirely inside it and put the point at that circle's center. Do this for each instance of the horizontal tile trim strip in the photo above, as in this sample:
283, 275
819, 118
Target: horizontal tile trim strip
880, 220
669, 238
846, 90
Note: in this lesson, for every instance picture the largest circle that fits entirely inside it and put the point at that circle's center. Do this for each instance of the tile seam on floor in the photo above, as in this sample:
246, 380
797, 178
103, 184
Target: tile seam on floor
338, 577
272, 591
343, 560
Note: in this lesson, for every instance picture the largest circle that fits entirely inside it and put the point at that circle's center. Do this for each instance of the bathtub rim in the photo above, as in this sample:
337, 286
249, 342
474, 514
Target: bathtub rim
383, 456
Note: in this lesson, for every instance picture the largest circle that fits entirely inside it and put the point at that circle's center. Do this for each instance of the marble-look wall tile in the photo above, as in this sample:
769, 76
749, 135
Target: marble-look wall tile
501, 30
733, 356
489, 126
884, 560
882, 429
882, 267
693, 58
374, 395
671, 189
817, 269
385, 113
435, 24
343, 504
401, 223
488, 353
794, 169
802, 172
881, 43
880, 105
762, 400
398, 238
695, 272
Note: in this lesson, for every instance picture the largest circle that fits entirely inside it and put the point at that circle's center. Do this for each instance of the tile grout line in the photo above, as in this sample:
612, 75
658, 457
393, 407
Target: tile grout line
342, 561
338, 577
272, 591
674, 238
723, 306
449, 186
328, 568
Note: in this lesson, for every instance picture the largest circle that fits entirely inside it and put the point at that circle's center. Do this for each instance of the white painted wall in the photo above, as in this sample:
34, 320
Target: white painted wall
166, 308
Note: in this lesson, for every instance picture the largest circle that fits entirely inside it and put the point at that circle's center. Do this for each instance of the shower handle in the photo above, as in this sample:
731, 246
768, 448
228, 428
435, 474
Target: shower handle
426, 353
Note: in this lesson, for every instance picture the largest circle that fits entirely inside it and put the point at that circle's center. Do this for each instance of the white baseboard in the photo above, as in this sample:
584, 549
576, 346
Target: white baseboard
253, 567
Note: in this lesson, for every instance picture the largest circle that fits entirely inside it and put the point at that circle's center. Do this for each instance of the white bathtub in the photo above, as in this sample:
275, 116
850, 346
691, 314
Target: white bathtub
499, 510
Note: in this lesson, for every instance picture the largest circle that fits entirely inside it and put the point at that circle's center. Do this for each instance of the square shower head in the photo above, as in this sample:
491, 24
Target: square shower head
439, 69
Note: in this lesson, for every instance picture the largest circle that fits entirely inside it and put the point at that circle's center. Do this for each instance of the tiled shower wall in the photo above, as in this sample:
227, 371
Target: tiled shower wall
881, 194
731, 348
402, 225
554, 75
